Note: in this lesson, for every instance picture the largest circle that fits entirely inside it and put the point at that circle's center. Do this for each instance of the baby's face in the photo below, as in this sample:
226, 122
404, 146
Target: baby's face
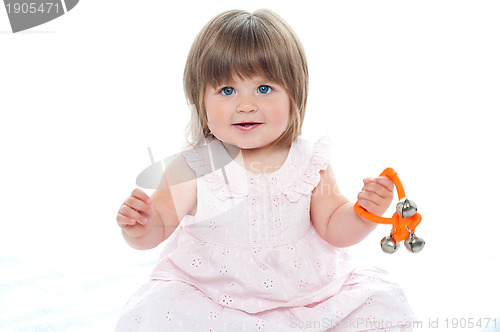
250, 113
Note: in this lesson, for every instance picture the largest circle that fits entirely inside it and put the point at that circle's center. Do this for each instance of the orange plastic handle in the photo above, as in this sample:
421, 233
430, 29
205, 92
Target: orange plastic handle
401, 227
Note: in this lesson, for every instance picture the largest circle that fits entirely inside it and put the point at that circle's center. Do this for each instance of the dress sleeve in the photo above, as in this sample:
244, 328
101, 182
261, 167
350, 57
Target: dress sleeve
220, 174
303, 176
197, 159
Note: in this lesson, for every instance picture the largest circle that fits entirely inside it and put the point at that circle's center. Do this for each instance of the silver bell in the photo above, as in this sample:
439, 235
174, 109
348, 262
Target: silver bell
414, 243
406, 208
388, 245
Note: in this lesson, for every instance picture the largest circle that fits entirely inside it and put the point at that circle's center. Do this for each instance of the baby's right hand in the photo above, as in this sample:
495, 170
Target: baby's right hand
135, 213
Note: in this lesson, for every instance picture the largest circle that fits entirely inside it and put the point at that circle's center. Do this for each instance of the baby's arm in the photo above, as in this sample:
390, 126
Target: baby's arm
333, 215
148, 221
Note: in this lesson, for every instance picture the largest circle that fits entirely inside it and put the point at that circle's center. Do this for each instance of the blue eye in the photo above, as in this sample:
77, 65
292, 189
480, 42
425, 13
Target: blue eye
226, 91
264, 89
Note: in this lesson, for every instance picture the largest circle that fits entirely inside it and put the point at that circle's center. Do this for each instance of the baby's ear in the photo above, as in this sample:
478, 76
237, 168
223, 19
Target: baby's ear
31, 14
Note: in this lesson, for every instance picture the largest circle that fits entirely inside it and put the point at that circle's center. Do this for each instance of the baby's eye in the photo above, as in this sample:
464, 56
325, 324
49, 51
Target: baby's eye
264, 89
226, 91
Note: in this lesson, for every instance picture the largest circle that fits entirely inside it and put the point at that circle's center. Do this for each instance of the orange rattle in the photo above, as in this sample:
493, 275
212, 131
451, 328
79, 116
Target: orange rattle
404, 220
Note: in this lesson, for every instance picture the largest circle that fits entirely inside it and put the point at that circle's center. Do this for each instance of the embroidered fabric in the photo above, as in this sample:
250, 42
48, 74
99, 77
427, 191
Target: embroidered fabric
251, 245
250, 259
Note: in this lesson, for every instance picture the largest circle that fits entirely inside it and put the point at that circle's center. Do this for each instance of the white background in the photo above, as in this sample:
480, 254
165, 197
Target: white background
414, 85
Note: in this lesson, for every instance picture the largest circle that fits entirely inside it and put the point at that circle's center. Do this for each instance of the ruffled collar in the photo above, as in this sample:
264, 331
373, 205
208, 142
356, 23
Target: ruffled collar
303, 174
226, 178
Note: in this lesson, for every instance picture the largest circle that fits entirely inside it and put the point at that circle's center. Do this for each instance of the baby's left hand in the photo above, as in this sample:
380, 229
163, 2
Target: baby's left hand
376, 195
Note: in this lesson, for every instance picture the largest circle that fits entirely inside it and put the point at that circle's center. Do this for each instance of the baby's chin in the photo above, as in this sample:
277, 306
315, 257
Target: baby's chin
240, 147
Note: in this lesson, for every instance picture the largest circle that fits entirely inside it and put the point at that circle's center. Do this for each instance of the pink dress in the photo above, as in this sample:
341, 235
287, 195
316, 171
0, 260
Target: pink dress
250, 259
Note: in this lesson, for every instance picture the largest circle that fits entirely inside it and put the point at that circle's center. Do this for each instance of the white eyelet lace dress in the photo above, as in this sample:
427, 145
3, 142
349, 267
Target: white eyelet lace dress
250, 259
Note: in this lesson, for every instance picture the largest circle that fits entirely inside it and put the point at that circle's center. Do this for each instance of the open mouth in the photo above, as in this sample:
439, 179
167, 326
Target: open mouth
247, 125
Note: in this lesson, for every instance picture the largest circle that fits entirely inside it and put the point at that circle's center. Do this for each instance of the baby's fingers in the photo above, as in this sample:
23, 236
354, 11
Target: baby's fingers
367, 181
369, 199
141, 195
138, 205
135, 209
385, 182
380, 186
124, 221
376, 195
133, 214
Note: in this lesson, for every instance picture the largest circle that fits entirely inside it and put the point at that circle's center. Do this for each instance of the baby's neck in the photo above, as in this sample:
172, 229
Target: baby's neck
261, 160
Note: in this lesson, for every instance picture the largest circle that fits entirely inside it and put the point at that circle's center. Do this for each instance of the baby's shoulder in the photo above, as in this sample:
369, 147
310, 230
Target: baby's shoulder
310, 153
178, 170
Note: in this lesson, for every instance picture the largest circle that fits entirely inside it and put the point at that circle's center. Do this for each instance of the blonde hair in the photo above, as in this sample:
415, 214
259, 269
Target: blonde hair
236, 42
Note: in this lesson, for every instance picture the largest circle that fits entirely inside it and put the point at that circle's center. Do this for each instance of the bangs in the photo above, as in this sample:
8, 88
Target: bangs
239, 49
237, 44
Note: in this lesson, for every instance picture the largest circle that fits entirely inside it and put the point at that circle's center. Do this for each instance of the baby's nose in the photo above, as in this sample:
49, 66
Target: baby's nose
246, 104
